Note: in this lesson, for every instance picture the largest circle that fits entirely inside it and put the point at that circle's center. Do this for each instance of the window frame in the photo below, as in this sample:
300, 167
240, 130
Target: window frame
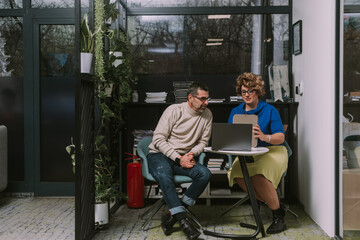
264, 10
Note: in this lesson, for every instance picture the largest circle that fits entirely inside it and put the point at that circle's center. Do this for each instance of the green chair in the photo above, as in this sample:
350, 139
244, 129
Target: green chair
143, 150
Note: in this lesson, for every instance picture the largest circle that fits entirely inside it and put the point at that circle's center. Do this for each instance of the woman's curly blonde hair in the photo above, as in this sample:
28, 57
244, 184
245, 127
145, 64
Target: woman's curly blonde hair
251, 81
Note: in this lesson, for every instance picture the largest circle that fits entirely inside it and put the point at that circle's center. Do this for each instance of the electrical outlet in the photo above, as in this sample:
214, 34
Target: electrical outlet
301, 88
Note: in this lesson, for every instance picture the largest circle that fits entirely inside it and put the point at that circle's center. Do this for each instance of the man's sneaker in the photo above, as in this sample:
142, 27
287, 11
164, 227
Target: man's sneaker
167, 223
190, 231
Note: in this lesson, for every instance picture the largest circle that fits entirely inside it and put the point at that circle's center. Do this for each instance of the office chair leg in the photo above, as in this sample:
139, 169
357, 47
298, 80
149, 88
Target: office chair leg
293, 213
154, 209
158, 202
193, 217
288, 209
236, 204
148, 194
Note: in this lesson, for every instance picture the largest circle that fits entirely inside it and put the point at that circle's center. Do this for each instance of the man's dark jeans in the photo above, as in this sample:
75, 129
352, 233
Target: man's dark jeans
163, 170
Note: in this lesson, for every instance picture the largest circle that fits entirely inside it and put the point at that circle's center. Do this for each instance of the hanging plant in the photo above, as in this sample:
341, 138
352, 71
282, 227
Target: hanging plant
99, 45
106, 184
111, 11
121, 75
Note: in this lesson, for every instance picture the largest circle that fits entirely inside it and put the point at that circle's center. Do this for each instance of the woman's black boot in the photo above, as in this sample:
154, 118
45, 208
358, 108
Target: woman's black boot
278, 224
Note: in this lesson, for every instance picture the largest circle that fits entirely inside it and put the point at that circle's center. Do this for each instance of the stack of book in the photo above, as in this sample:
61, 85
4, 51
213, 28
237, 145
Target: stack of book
236, 98
355, 96
180, 90
216, 100
156, 97
216, 164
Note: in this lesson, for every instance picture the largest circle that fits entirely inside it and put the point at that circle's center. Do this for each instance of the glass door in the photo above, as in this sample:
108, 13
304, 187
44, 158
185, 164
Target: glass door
351, 121
54, 91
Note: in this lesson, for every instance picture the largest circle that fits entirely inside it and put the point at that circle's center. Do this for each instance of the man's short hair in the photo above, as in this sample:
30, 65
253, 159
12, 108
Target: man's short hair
195, 86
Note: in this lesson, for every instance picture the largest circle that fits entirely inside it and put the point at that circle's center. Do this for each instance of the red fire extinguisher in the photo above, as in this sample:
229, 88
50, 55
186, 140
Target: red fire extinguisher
135, 183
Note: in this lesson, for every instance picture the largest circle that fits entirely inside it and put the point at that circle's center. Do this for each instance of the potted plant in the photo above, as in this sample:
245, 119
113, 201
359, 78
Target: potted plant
86, 45
106, 183
119, 73
106, 186
121, 78
111, 11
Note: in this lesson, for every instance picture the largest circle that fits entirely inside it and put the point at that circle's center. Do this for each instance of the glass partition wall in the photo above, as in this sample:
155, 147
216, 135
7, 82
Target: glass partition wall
187, 43
213, 41
205, 3
37, 94
11, 93
351, 120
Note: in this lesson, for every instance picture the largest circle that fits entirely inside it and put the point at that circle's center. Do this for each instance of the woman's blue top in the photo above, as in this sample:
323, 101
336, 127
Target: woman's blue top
269, 119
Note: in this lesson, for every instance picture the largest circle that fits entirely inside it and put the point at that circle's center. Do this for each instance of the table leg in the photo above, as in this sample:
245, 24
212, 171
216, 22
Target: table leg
259, 226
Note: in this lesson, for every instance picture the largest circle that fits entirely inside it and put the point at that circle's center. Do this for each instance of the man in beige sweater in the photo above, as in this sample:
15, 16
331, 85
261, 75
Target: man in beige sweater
181, 135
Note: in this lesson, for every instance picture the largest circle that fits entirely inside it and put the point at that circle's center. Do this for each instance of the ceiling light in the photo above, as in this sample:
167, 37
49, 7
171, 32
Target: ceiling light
219, 16
214, 44
215, 39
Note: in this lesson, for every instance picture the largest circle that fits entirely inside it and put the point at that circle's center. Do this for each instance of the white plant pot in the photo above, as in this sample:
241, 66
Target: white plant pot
102, 213
86, 60
108, 21
117, 62
118, 55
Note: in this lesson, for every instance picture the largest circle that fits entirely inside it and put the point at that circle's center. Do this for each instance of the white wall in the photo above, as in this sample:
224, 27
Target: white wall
315, 67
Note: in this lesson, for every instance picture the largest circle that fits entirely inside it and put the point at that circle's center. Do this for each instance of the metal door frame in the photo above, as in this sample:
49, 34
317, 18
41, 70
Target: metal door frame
44, 188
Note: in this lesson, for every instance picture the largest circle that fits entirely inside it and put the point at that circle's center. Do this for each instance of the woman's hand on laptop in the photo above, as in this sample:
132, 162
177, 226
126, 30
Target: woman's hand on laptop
259, 134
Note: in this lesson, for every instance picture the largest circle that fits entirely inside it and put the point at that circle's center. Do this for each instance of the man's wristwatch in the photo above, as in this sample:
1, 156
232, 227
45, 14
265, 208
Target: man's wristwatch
177, 160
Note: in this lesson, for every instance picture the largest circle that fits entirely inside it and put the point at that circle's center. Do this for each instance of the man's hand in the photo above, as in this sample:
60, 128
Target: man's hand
187, 161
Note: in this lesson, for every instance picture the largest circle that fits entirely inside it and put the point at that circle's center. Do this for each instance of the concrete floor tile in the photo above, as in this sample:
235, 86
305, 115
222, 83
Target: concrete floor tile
54, 218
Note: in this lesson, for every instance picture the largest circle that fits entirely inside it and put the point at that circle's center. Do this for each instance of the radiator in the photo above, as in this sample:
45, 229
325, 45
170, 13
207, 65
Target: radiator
3, 158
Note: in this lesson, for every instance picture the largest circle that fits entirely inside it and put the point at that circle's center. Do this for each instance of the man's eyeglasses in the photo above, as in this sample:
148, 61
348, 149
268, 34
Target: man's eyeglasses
243, 92
203, 99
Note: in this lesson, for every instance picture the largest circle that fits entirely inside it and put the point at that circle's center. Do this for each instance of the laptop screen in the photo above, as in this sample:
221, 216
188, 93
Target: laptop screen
231, 137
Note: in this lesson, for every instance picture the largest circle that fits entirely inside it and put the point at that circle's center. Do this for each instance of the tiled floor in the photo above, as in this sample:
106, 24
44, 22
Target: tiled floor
53, 218
37, 218
126, 225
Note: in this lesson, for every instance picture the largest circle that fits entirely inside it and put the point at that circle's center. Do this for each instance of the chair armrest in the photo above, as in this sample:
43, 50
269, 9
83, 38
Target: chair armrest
230, 159
201, 158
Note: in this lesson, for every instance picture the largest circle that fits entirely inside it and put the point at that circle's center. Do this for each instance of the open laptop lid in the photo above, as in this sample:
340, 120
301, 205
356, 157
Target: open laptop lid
247, 119
231, 137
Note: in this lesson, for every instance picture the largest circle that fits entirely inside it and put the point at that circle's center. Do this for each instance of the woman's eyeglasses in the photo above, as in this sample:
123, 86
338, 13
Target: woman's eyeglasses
243, 92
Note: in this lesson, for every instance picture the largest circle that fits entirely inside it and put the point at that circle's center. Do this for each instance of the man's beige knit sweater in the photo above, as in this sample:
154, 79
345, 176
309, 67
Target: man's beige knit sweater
181, 130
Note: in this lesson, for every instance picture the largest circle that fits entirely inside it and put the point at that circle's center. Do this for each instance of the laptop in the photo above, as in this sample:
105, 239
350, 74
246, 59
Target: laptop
248, 119
231, 137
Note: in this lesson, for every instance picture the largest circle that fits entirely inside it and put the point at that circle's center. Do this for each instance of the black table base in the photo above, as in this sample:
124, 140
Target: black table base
259, 225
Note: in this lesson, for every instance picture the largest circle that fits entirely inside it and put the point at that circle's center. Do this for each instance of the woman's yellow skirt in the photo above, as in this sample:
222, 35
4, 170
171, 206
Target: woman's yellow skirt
271, 165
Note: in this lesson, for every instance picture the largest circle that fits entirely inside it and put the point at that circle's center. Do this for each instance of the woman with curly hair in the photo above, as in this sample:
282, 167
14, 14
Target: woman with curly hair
267, 169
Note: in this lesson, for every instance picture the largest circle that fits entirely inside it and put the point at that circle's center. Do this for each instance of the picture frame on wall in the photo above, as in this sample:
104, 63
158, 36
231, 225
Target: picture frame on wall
297, 37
